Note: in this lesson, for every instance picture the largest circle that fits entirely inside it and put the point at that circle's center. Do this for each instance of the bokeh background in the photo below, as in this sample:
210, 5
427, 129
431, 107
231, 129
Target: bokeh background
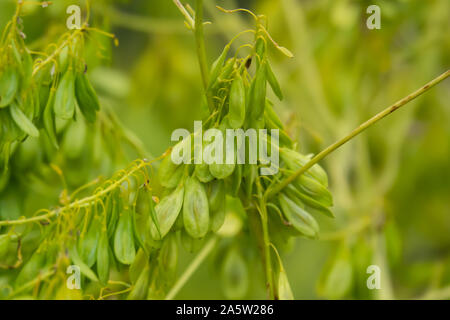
391, 184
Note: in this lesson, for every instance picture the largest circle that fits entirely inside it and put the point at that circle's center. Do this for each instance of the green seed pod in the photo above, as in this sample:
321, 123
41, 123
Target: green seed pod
217, 204
22, 121
195, 209
236, 180
139, 264
273, 82
86, 97
315, 190
167, 212
140, 288
224, 170
202, 172
190, 244
236, 113
169, 173
84, 269
124, 248
217, 67
234, 276
336, 278
298, 217
87, 246
9, 84
257, 101
250, 174
260, 47
295, 161
32, 268
284, 289
168, 257
302, 200
5, 240
49, 119
65, 96
103, 258
63, 59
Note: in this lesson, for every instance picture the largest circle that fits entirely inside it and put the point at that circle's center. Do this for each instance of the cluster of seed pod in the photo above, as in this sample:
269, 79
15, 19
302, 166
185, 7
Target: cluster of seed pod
196, 192
43, 95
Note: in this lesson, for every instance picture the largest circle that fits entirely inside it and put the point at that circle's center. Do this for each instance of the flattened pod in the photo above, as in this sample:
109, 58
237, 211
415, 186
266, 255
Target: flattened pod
167, 211
140, 288
284, 289
217, 66
169, 173
65, 96
295, 160
224, 170
124, 248
273, 82
9, 83
300, 219
195, 209
103, 258
86, 97
168, 257
236, 113
22, 121
87, 247
258, 93
303, 200
31, 268
202, 172
234, 274
315, 190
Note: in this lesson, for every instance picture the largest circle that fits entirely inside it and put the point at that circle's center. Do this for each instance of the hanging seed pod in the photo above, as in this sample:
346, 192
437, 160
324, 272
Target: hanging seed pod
217, 204
234, 276
22, 121
167, 211
9, 84
124, 248
202, 172
236, 113
217, 66
250, 174
284, 288
295, 161
195, 209
63, 59
302, 200
257, 101
84, 269
273, 82
169, 173
49, 119
224, 170
336, 278
298, 217
140, 288
87, 245
32, 268
315, 190
190, 244
65, 96
168, 257
236, 180
139, 263
103, 258
86, 97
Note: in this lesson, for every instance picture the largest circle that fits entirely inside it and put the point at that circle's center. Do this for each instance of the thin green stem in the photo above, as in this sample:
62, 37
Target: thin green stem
201, 51
273, 191
76, 204
201, 256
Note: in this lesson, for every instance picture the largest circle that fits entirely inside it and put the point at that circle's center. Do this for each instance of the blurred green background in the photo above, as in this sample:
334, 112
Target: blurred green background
391, 185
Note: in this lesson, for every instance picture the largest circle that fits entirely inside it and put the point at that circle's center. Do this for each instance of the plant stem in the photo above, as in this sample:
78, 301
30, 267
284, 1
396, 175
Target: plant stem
201, 51
76, 204
206, 250
271, 192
